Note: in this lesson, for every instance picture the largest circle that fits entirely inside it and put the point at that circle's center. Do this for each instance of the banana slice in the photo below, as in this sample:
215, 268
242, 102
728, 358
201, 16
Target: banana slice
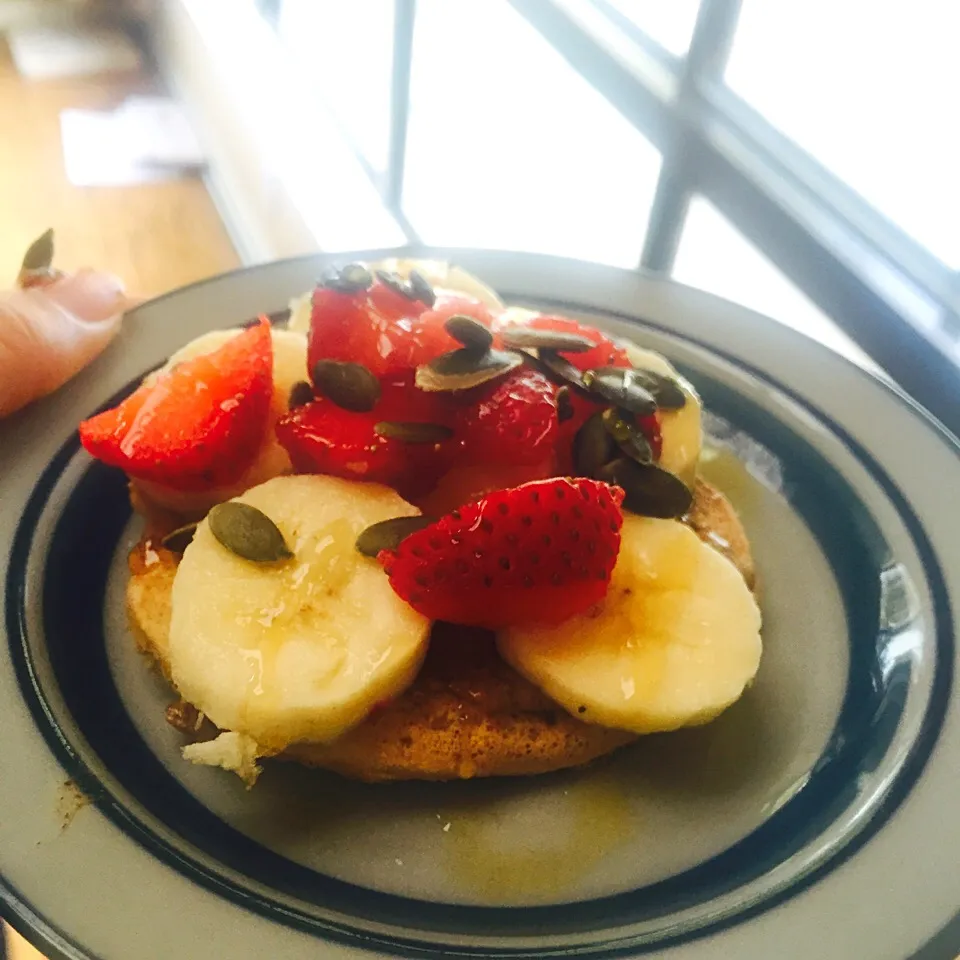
675, 642
289, 366
681, 429
301, 309
303, 649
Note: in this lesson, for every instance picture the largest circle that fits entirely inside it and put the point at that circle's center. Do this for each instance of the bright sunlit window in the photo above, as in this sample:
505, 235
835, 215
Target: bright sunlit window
509, 148
870, 90
714, 256
347, 50
669, 22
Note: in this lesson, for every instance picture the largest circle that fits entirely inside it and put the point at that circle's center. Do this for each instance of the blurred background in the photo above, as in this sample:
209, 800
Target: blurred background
796, 156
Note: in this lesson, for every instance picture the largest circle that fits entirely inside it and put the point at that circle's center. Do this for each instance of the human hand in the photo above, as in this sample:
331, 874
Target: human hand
52, 324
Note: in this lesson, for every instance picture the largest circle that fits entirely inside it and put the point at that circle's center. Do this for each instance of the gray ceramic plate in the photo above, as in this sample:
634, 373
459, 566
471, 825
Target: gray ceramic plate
816, 816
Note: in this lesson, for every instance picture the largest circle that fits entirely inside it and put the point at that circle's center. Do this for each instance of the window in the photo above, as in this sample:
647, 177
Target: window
868, 89
346, 51
797, 156
668, 22
509, 148
714, 256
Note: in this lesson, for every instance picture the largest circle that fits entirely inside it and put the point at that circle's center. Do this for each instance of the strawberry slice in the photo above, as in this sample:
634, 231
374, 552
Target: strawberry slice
512, 420
197, 426
538, 553
324, 438
581, 408
383, 330
428, 338
606, 353
346, 326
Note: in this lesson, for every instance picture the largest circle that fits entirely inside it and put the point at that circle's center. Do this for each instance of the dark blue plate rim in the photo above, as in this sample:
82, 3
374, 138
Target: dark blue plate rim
909, 774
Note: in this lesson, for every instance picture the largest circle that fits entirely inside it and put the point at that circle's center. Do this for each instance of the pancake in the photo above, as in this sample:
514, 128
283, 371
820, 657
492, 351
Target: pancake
466, 715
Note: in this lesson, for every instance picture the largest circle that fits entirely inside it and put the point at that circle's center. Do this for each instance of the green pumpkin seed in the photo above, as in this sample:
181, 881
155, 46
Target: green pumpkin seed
559, 370
627, 435
396, 284
178, 540
411, 432
619, 386
665, 390
564, 405
248, 532
649, 490
468, 331
593, 447
520, 337
39, 255
301, 393
349, 385
389, 534
465, 368
421, 289
352, 278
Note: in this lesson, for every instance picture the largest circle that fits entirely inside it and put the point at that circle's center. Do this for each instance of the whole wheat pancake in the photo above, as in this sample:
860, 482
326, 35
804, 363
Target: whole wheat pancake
466, 715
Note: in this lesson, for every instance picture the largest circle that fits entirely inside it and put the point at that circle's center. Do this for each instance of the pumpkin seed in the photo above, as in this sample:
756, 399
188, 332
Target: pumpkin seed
469, 332
618, 386
396, 284
39, 255
564, 405
559, 370
349, 385
247, 532
300, 393
178, 540
421, 288
411, 432
649, 490
352, 278
593, 447
665, 390
627, 435
389, 534
520, 337
465, 368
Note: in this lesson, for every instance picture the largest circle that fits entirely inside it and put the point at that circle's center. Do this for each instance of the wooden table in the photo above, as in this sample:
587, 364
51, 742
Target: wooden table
156, 237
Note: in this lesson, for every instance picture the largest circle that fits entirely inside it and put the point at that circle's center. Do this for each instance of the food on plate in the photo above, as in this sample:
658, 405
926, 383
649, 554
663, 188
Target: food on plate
52, 325
299, 647
417, 534
669, 647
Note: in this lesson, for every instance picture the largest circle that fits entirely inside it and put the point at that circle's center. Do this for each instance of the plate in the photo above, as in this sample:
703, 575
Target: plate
801, 817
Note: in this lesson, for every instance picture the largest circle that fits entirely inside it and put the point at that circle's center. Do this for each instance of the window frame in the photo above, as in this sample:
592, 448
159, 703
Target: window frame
888, 293
892, 296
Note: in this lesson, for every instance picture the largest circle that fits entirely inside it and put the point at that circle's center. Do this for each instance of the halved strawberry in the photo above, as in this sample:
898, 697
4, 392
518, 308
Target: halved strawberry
324, 438
197, 426
511, 420
538, 553
606, 353
346, 326
383, 330
581, 408
427, 338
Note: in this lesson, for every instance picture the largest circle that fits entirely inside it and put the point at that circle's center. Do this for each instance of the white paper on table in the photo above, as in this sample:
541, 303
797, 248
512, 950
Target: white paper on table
43, 53
145, 139
160, 132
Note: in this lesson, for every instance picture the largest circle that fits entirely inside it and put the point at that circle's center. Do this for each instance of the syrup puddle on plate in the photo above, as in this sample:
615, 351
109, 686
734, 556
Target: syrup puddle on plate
500, 851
